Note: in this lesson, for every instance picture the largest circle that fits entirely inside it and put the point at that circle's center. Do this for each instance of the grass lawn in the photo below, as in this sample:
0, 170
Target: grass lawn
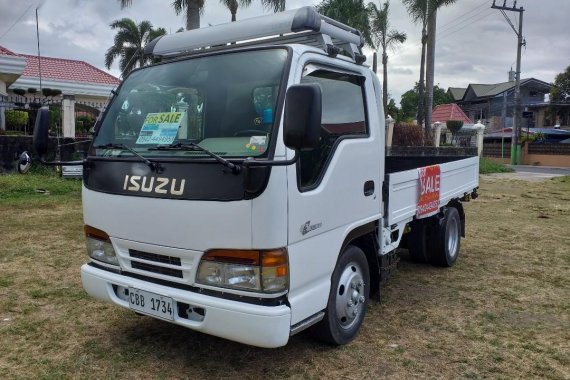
486, 166
503, 311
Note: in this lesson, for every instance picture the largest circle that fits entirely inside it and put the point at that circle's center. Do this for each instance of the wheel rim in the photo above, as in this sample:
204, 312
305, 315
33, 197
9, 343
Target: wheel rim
350, 296
452, 236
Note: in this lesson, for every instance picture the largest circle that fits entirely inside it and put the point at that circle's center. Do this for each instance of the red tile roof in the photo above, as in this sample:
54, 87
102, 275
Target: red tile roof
63, 69
4, 51
445, 112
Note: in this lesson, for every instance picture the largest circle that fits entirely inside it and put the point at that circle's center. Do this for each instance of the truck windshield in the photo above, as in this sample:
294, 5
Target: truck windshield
224, 103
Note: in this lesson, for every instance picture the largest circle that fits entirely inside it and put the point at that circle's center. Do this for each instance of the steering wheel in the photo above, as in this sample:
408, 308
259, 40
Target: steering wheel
250, 132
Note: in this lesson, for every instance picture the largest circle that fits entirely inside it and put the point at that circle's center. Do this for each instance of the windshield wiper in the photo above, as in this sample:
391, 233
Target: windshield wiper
155, 166
193, 146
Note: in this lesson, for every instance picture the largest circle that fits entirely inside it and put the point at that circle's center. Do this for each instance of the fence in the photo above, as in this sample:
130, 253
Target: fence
18, 114
60, 148
544, 154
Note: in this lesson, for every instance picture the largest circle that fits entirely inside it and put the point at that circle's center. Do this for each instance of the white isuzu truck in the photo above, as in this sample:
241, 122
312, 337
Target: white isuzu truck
240, 187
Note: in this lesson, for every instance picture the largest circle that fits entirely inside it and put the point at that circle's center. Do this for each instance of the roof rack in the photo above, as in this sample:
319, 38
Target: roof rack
301, 26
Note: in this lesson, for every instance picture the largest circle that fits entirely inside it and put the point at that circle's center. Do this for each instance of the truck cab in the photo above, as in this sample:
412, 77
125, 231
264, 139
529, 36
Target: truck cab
240, 188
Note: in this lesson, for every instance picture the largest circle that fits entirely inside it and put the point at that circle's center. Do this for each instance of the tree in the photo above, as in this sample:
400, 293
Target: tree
561, 90
232, 5
194, 8
417, 9
560, 94
129, 44
409, 101
432, 7
408, 105
392, 110
384, 37
350, 12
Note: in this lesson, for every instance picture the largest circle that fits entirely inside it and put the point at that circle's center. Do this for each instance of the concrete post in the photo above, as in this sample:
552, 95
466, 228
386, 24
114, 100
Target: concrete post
437, 134
389, 130
2, 119
68, 115
480, 129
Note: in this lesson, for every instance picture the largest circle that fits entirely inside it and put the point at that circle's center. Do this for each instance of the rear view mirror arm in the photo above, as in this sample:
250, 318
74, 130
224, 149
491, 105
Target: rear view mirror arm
58, 163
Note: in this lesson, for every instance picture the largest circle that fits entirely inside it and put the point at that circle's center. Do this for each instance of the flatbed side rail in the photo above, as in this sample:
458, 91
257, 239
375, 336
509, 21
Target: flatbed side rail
457, 178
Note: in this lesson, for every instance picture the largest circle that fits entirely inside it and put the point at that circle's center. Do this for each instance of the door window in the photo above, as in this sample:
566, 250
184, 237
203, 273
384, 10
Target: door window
343, 117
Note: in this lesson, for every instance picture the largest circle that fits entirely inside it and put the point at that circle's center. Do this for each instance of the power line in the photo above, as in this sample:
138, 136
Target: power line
475, 16
17, 21
459, 18
461, 27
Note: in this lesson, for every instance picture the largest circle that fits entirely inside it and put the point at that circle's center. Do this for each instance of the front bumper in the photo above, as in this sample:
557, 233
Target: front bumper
256, 325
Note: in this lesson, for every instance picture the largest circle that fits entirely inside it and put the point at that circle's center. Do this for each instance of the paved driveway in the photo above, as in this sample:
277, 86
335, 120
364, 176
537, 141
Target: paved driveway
533, 173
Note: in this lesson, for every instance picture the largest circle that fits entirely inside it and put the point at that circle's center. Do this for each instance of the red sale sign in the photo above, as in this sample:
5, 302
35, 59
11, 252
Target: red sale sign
428, 200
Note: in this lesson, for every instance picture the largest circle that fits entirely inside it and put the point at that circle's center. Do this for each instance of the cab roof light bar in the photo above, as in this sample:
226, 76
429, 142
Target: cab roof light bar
297, 26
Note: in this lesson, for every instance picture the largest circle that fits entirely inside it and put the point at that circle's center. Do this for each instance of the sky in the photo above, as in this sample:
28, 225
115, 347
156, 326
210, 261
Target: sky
475, 44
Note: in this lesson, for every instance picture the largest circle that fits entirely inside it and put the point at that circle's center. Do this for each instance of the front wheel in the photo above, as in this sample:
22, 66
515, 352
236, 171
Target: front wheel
348, 298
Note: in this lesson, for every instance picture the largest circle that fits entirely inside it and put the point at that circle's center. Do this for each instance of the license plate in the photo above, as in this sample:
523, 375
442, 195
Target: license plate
151, 303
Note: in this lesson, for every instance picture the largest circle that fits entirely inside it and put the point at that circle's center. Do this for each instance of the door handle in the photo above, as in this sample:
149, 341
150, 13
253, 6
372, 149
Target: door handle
368, 188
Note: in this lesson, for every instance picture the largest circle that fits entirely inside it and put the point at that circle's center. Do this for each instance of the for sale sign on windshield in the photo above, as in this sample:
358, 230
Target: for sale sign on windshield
428, 201
160, 128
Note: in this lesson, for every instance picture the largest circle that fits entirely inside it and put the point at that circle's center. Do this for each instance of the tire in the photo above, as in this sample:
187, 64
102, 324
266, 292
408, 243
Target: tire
446, 239
348, 299
418, 242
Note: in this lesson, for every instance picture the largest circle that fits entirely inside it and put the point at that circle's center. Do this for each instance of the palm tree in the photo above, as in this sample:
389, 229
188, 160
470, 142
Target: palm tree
433, 6
384, 37
194, 8
417, 9
233, 5
129, 44
350, 12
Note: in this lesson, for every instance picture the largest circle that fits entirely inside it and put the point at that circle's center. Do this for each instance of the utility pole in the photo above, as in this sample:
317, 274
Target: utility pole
515, 146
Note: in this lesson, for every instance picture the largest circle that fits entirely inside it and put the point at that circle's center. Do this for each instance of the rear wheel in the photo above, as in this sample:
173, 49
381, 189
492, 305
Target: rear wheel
348, 298
447, 239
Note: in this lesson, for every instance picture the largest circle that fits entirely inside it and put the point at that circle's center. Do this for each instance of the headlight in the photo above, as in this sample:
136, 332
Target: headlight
99, 246
255, 270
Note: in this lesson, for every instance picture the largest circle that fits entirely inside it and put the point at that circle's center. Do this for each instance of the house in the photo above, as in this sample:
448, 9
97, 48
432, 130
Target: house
493, 104
80, 87
444, 112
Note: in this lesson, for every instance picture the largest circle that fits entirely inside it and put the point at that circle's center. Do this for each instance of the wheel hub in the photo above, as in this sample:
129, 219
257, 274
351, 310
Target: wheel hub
452, 236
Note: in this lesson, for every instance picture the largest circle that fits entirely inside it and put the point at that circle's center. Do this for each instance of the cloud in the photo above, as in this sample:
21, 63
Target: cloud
401, 70
475, 44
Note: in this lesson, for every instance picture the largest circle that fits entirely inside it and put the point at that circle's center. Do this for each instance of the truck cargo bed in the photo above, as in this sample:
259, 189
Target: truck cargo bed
458, 176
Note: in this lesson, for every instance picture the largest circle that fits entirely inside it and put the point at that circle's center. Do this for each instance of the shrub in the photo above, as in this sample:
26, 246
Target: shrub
50, 92
19, 91
407, 134
486, 166
454, 125
84, 122
16, 119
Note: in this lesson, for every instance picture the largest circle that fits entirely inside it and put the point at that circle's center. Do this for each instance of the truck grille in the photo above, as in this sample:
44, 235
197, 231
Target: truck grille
154, 257
154, 263
156, 269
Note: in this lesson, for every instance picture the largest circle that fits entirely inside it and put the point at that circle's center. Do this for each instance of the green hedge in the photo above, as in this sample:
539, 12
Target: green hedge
16, 119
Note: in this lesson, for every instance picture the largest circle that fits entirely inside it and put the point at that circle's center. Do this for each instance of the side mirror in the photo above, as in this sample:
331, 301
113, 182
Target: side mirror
41, 129
302, 121
24, 163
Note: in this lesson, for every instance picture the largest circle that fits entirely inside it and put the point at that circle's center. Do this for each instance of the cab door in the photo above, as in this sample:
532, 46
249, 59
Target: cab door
336, 187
